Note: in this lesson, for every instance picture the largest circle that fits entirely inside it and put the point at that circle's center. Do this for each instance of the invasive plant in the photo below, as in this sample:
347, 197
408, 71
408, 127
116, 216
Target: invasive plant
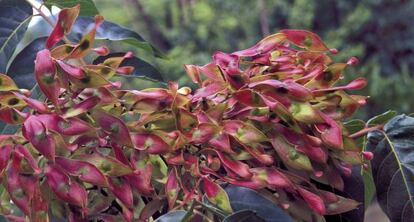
269, 118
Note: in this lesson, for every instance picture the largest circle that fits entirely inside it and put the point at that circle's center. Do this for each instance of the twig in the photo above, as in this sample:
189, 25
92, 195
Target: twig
39, 11
195, 211
366, 130
203, 215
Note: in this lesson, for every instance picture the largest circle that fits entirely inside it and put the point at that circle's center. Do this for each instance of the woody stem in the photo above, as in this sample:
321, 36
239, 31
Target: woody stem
365, 131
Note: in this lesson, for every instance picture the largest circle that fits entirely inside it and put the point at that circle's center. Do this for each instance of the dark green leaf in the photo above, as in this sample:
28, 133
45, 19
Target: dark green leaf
243, 216
382, 118
363, 189
3, 219
369, 185
242, 198
7, 129
22, 67
354, 125
172, 216
142, 68
87, 7
393, 167
113, 32
353, 189
15, 16
21, 70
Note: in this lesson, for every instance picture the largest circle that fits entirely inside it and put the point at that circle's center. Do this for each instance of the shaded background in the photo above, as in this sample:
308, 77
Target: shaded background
378, 32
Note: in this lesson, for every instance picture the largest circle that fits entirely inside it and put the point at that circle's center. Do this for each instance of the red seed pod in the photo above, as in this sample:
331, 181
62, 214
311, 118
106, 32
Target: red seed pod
122, 190
5, 152
368, 155
314, 201
172, 188
102, 51
35, 132
66, 189
83, 170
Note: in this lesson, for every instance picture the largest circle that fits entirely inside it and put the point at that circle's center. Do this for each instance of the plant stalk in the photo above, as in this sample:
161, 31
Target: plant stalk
366, 130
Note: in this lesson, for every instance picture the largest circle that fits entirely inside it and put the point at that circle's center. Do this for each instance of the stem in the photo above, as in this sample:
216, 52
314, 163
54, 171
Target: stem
203, 215
39, 11
366, 130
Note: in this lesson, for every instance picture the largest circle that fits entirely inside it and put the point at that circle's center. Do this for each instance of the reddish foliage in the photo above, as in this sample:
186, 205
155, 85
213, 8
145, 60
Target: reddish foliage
258, 116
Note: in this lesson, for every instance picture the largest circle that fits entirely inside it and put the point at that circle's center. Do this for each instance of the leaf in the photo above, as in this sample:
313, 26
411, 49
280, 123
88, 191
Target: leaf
369, 186
355, 190
243, 216
3, 219
21, 68
354, 125
242, 198
113, 32
382, 118
393, 167
141, 67
8, 129
172, 216
87, 7
15, 16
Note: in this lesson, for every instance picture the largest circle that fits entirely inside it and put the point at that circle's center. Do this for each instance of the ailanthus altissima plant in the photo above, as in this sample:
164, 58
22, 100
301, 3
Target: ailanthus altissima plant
269, 119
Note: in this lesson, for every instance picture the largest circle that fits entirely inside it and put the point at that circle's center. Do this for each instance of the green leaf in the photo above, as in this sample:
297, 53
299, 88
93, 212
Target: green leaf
242, 198
3, 219
22, 67
87, 7
382, 118
393, 167
142, 68
15, 16
113, 32
354, 125
243, 216
172, 216
369, 185
21, 71
353, 189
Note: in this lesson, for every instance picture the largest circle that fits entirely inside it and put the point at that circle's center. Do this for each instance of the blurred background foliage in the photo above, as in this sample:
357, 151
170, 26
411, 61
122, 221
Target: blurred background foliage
379, 32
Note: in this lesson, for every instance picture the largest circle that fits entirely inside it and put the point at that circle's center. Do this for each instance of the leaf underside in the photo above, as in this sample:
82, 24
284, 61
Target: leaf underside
15, 16
393, 167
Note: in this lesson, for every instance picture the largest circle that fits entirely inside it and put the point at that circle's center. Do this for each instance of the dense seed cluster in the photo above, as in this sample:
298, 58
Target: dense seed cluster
267, 117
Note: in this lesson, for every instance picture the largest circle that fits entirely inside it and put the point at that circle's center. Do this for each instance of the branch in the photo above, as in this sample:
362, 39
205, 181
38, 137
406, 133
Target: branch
366, 130
154, 30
